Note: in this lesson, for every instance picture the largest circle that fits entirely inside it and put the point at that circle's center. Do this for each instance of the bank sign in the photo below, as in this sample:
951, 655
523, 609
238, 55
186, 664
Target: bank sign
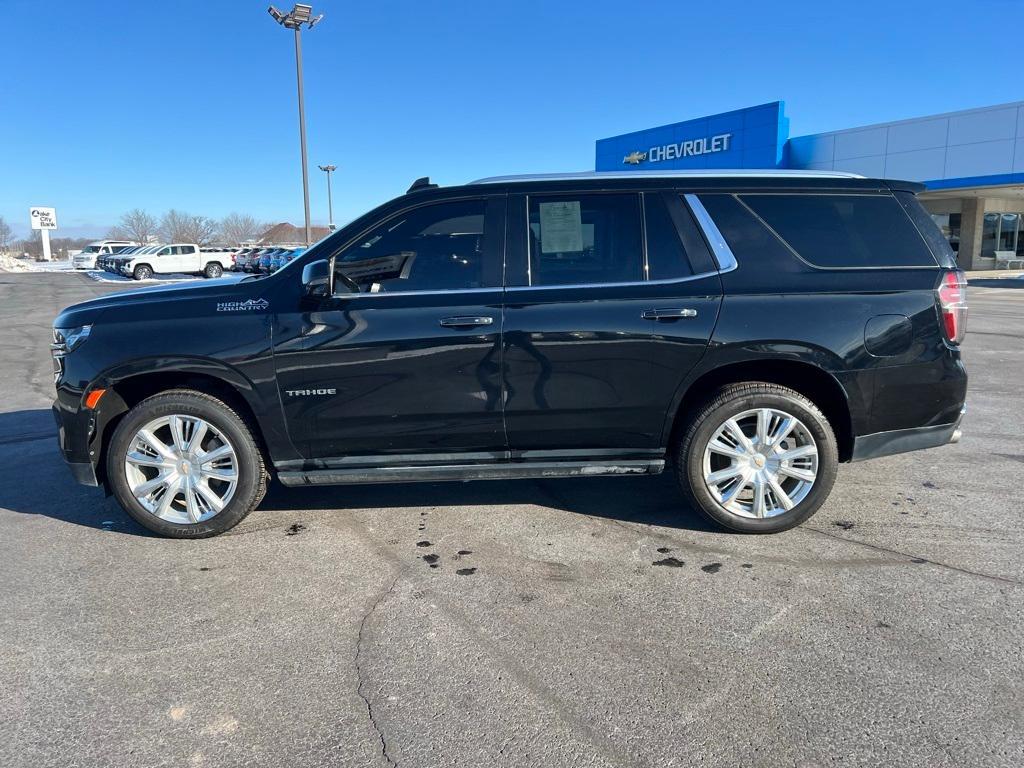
719, 143
43, 217
745, 138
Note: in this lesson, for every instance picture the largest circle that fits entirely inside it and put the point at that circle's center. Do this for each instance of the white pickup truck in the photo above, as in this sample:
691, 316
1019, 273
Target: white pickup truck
176, 258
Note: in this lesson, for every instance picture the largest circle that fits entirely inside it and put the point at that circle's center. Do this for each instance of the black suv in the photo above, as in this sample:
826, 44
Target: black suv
751, 329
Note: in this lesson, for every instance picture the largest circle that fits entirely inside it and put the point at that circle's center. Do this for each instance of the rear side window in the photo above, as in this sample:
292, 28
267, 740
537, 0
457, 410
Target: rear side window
585, 239
666, 257
929, 229
844, 230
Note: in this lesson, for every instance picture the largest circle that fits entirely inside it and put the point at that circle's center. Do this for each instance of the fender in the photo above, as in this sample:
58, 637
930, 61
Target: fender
262, 400
856, 386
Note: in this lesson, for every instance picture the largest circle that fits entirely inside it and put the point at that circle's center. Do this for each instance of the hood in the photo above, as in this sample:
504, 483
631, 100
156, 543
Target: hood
201, 296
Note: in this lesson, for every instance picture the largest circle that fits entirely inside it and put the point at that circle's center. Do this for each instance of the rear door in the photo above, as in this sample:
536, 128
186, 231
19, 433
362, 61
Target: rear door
611, 301
404, 358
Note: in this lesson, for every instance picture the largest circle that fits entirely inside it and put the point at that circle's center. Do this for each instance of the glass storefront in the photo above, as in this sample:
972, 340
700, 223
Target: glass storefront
1002, 232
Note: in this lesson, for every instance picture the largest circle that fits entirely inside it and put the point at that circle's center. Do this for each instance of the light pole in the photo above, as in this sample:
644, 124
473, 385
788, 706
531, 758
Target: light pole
294, 19
328, 169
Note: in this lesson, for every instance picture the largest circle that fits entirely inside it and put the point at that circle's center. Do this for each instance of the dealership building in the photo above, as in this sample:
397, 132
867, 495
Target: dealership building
971, 163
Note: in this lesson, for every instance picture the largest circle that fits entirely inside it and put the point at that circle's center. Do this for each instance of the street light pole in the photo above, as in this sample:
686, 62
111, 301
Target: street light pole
294, 19
328, 169
302, 134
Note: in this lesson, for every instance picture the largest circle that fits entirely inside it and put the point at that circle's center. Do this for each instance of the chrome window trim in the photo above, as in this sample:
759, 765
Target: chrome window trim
511, 288
719, 247
435, 292
633, 284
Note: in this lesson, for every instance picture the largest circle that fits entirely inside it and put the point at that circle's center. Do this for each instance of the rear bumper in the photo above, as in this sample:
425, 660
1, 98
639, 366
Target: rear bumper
905, 440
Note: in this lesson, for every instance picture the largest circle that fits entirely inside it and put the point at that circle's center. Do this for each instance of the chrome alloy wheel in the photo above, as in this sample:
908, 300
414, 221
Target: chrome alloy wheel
181, 469
760, 463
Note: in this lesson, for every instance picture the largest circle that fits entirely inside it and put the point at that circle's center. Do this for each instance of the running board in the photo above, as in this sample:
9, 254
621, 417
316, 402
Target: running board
504, 471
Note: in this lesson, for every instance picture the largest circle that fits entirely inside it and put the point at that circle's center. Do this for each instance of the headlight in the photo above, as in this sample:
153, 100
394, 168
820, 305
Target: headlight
67, 339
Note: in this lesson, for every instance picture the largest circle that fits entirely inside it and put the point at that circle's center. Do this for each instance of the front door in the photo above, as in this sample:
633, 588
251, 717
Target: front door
403, 359
616, 301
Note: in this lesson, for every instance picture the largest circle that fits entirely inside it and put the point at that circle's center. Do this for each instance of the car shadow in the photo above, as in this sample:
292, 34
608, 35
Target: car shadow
34, 481
654, 501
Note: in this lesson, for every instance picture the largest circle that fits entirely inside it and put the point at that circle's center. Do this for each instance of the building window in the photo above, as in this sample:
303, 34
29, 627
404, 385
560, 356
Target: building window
1002, 232
1009, 224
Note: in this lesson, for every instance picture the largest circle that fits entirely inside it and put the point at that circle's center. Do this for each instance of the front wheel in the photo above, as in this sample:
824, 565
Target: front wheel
185, 465
757, 458
143, 272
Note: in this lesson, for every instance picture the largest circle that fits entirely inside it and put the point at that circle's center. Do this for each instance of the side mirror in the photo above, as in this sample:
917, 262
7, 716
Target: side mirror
316, 279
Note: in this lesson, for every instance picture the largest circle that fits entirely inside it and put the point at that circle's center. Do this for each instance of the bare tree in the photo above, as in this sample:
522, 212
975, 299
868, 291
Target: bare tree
180, 227
5, 234
135, 225
237, 228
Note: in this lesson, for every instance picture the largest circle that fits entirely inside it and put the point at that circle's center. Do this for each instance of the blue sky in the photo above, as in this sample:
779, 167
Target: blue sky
110, 106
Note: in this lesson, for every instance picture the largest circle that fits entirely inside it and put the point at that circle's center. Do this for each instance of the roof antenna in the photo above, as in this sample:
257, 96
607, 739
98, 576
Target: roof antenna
421, 183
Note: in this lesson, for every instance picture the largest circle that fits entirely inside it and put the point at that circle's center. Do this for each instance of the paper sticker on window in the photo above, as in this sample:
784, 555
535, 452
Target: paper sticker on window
561, 229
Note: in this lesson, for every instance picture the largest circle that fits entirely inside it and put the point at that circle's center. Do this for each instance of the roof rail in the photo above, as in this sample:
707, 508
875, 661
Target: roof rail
701, 174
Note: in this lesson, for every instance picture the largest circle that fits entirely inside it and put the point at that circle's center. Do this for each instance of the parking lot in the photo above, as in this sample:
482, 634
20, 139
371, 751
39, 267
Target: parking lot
557, 623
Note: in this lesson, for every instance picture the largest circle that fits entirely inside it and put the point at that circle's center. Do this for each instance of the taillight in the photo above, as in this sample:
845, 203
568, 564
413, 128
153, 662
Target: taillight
952, 297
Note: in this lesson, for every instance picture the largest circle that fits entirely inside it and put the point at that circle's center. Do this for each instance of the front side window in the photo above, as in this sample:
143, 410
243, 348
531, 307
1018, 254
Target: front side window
585, 239
437, 247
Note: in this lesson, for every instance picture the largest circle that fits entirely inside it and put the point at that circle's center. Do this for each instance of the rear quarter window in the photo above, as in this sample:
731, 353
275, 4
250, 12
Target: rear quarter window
843, 231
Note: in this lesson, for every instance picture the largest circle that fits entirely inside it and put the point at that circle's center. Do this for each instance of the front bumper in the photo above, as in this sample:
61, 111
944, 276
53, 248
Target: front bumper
74, 434
905, 440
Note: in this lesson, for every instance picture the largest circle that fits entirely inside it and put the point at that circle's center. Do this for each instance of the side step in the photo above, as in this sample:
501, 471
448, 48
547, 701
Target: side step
504, 471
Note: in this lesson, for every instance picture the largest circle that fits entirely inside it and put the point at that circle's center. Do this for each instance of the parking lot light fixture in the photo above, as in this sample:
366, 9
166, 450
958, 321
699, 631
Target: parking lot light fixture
294, 19
329, 169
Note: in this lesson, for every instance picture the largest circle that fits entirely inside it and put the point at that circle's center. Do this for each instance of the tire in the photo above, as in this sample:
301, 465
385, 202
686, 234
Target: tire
732, 461
143, 272
224, 427
213, 270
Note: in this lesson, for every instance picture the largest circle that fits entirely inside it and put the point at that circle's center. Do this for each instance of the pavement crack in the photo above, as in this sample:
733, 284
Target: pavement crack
880, 548
359, 669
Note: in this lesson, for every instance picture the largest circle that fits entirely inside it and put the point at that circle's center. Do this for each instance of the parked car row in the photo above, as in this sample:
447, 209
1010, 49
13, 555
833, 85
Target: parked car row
124, 257
264, 260
89, 256
143, 261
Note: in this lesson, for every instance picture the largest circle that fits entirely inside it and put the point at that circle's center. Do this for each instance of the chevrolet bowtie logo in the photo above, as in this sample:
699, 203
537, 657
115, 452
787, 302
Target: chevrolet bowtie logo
635, 158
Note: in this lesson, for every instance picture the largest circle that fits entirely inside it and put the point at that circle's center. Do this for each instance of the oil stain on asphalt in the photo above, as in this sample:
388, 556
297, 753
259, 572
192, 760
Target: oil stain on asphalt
670, 562
294, 529
711, 567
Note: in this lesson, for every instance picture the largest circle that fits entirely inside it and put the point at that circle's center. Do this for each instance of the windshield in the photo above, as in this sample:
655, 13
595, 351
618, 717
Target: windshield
91, 249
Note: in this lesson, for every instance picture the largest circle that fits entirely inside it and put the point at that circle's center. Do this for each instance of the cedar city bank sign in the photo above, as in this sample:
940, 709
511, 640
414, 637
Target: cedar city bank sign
691, 148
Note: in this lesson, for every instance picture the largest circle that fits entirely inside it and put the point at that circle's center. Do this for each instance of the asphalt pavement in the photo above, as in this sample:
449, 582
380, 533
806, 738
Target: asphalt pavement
532, 623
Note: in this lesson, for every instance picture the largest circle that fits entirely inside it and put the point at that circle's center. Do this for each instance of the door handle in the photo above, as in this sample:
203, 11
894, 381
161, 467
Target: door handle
667, 314
466, 321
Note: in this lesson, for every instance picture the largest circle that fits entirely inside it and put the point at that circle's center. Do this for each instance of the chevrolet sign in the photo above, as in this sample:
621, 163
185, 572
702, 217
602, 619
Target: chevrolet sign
689, 148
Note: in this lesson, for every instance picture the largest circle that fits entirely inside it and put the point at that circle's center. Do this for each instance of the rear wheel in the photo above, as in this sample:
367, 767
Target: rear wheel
143, 272
757, 458
213, 269
185, 465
